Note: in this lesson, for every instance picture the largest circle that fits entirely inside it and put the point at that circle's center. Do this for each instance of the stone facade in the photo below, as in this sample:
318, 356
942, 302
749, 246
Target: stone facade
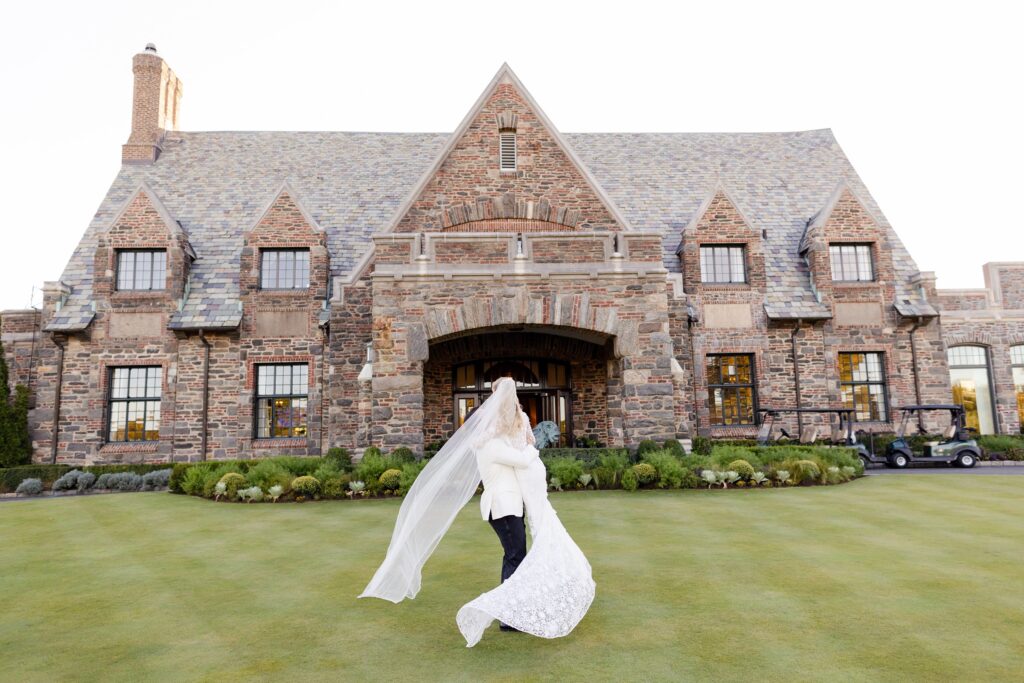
993, 319
583, 251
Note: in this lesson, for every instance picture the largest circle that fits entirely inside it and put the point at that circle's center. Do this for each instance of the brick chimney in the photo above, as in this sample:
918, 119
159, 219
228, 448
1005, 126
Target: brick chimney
155, 105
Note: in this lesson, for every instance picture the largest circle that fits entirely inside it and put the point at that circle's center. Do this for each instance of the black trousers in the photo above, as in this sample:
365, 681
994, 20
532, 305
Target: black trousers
511, 532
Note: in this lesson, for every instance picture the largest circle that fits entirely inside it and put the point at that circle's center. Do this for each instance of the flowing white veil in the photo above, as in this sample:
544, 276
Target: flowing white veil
442, 489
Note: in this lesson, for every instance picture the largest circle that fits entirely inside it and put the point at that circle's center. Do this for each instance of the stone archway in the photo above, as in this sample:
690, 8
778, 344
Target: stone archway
629, 320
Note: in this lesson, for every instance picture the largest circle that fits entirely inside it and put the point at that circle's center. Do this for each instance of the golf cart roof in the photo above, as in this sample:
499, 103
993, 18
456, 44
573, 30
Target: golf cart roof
805, 410
933, 406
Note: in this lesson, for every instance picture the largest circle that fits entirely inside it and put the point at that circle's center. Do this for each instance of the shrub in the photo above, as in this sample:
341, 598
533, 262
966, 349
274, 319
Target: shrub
267, 473
125, 481
410, 471
193, 481
340, 458
178, 471
102, 482
305, 487
702, 445
10, 477
646, 446
783, 477
1006, 447
805, 472
613, 463
232, 482
590, 457
585, 479
29, 487
275, 492
298, 466
390, 479
156, 479
630, 481
327, 470
85, 481
370, 468
566, 469
371, 450
67, 481
724, 454
357, 487
742, 468
675, 448
15, 443
334, 487
604, 478
669, 469
645, 473
401, 455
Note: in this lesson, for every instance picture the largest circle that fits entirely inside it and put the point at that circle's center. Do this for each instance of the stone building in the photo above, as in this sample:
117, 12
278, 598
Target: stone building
246, 293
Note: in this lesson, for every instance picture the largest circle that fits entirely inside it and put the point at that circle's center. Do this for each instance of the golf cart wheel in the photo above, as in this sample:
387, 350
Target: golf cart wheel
899, 461
966, 460
864, 461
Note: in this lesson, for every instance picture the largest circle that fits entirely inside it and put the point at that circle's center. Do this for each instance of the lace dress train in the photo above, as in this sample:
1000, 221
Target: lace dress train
552, 588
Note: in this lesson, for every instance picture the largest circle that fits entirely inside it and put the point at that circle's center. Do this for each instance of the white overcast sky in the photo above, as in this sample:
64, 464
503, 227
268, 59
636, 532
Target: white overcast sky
924, 98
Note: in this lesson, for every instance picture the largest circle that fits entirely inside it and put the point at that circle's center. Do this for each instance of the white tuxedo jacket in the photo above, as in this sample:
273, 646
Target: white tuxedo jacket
497, 461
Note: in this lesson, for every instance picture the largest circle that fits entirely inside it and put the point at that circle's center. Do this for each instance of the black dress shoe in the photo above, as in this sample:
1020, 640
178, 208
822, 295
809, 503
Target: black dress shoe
506, 627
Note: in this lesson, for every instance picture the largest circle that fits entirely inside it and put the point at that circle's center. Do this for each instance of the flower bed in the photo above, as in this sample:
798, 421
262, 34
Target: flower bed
654, 466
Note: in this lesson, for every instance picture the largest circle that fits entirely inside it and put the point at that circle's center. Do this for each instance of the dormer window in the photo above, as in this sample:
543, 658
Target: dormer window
507, 151
141, 269
851, 262
284, 269
723, 264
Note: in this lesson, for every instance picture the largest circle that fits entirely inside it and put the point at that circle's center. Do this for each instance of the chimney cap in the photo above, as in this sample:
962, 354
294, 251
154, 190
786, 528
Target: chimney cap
150, 47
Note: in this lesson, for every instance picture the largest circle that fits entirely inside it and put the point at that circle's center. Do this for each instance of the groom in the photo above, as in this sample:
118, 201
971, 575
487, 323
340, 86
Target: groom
502, 503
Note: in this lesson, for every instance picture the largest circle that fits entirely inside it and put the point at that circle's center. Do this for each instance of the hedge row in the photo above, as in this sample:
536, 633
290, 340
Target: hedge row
10, 477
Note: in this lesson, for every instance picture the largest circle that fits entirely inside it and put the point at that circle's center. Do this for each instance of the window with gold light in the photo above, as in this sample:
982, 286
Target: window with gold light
1017, 365
971, 380
731, 390
862, 384
134, 404
282, 395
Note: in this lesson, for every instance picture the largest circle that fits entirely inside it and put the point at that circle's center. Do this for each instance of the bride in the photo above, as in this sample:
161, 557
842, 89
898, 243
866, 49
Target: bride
551, 589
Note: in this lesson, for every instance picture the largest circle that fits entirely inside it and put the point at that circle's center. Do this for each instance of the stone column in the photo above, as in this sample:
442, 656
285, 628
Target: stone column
400, 348
648, 396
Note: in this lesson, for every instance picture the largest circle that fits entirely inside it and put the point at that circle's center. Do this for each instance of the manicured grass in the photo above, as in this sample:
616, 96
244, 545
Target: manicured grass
884, 579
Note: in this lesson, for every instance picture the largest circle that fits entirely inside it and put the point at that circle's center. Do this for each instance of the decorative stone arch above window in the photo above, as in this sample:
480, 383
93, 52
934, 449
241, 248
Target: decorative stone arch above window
968, 338
507, 213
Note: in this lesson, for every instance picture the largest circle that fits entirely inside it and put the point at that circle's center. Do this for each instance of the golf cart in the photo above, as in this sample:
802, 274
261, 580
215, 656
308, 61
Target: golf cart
840, 434
957, 446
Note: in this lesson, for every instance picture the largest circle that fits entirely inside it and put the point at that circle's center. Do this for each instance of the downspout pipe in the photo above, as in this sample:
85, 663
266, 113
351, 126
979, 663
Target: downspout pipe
918, 323
206, 394
693, 378
56, 400
324, 403
796, 379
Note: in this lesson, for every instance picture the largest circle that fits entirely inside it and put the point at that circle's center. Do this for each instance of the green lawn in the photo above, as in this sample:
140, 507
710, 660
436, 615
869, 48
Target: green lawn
887, 578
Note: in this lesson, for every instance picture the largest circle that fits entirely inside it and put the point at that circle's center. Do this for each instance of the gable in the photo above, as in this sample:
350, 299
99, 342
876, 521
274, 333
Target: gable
549, 184
143, 221
285, 222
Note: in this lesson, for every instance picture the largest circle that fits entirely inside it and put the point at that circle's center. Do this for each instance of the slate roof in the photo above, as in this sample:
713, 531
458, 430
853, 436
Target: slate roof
215, 184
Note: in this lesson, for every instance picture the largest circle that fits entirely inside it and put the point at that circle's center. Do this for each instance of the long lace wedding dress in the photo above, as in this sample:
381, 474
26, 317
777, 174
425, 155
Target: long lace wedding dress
552, 588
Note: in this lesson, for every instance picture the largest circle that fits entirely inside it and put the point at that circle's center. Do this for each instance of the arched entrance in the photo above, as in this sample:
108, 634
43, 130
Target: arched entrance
559, 377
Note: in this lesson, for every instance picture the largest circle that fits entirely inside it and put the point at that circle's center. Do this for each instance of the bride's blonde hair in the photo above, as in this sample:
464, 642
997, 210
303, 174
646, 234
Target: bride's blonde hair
507, 421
